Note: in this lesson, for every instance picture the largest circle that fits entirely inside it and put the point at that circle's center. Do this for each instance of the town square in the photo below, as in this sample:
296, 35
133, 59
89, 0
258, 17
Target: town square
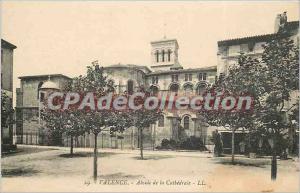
149, 96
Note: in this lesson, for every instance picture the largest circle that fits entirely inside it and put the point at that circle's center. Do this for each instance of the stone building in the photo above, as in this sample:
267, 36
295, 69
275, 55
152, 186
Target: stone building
167, 75
32, 89
7, 52
230, 50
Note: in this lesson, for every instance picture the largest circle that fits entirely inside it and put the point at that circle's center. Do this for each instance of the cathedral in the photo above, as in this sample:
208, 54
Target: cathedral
165, 75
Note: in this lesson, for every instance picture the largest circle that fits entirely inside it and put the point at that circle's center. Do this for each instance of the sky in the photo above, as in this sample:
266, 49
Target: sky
64, 37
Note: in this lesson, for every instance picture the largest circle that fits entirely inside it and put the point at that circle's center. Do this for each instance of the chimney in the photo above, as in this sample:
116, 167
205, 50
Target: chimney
277, 23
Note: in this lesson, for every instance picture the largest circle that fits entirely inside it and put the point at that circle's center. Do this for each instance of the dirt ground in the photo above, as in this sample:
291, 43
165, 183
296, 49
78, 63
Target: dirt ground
52, 169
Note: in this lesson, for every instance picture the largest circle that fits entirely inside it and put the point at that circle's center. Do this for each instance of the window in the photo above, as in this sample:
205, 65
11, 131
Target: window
154, 90
130, 87
174, 88
251, 46
200, 89
39, 86
174, 77
202, 76
161, 121
188, 88
155, 80
163, 55
234, 50
188, 77
245, 48
157, 56
169, 55
186, 123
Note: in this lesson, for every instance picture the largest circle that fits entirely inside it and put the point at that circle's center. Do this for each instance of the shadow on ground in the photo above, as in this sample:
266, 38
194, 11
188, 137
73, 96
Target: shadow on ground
18, 172
153, 157
86, 154
26, 150
261, 163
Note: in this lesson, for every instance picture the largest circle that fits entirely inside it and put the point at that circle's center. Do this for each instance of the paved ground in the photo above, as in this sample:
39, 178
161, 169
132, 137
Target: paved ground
51, 169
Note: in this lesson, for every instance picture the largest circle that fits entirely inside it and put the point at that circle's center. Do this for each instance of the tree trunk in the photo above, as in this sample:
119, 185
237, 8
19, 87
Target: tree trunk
274, 167
72, 145
95, 157
232, 147
274, 163
141, 143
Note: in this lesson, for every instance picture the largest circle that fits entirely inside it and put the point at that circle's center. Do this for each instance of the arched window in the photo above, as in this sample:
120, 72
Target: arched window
188, 89
174, 88
163, 55
154, 90
169, 55
186, 123
157, 56
130, 87
200, 89
161, 121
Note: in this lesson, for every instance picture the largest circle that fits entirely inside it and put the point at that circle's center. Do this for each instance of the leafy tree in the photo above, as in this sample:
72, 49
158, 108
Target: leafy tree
119, 121
143, 118
270, 81
281, 59
67, 122
241, 80
95, 122
6, 111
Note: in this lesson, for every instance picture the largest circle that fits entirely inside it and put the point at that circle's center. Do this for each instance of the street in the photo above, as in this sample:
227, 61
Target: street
52, 169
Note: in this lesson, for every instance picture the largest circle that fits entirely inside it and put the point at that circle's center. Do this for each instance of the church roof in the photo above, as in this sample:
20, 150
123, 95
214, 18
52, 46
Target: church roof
292, 25
140, 67
164, 40
6, 44
44, 76
49, 85
209, 68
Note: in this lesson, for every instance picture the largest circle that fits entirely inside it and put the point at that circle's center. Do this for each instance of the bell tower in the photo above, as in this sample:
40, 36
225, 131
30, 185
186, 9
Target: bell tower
164, 55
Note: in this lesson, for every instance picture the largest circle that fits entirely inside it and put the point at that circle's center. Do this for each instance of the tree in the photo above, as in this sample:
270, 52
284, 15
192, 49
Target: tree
143, 118
281, 59
97, 121
6, 112
119, 121
270, 81
242, 80
67, 122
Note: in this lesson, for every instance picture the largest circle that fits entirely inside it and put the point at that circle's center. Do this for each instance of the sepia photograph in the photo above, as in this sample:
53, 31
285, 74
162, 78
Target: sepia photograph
149, 96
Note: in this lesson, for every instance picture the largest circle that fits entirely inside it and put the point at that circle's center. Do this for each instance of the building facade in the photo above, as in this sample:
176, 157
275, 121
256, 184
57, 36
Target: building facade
7, 55
230, 50
32, 90
166, 76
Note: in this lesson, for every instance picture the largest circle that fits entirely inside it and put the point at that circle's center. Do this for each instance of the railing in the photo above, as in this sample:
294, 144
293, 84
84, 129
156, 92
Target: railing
104, 140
